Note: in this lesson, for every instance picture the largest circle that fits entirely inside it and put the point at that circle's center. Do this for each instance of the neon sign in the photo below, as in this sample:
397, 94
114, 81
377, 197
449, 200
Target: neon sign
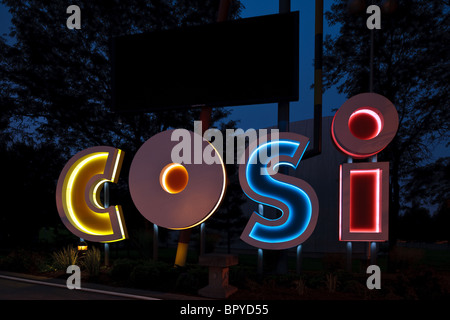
363, 126
295, 198
78, 195
173, 195
183, 194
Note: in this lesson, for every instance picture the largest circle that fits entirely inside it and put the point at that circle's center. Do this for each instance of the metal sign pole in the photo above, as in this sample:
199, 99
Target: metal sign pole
155, 242
283, 107
349, 256
260, 264
106, 205
283, 125
205, 117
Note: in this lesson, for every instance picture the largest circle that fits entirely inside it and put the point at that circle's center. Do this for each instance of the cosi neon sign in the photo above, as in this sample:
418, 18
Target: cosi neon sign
363, 126
183, 195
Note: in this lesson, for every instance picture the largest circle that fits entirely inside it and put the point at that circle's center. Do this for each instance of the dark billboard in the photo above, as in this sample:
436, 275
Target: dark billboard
239, 62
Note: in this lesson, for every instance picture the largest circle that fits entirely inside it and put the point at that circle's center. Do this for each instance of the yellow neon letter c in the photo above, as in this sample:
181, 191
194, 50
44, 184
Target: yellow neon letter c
78, 195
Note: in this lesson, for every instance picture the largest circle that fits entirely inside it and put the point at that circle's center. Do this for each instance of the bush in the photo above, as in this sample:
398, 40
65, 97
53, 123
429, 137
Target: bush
122, 268
17, 261
402, 258
192, 279
65, 257
147, 275
333, 262
91, 261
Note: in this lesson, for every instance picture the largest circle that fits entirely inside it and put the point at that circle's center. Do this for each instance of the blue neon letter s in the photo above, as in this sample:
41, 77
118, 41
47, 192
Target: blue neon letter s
296, 199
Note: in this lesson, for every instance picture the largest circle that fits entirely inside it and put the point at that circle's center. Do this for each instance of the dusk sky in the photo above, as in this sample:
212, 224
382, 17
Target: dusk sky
249, 116
302, 109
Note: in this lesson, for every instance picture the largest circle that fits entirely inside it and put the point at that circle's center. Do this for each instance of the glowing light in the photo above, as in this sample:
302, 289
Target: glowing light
174, 178
340, 203
222, 193
219, 201
365, 200
185, 194
71, 191
295, 198
365, 124
78, 195
346, 151
363, 204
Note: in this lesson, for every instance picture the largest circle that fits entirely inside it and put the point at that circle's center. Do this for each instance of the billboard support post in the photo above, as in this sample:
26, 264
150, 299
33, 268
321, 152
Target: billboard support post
205, 117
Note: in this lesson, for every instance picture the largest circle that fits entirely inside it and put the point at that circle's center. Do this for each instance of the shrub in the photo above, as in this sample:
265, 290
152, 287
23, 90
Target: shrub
122, 268
146, 275
91, 262
18, 261
333, 262
300, 286
192, 279
402, 258
65, 257
331, 282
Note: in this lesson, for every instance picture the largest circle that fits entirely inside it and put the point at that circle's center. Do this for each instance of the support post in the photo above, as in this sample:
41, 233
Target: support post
371, 59
299, 259
155, 241
283, 107
349, 256
202, 239
318, 58
373, 253
260, 263
283, 126
182, 248
106, 205
205, 117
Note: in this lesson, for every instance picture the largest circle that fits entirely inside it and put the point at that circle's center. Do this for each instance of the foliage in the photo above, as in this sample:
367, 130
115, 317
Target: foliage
55, 93
22, 261
65, 257
29, 182
191, 279
122, 268
146, 275
405, 258
428, 187
91, 261
410, 67
331, 282
158, 275
60, 78
229, 219
300, 286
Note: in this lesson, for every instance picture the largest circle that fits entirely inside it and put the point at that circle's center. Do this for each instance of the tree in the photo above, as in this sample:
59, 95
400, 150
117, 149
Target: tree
428, 187
411, 68
59, 78
29, 177
229, 218
55, 81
